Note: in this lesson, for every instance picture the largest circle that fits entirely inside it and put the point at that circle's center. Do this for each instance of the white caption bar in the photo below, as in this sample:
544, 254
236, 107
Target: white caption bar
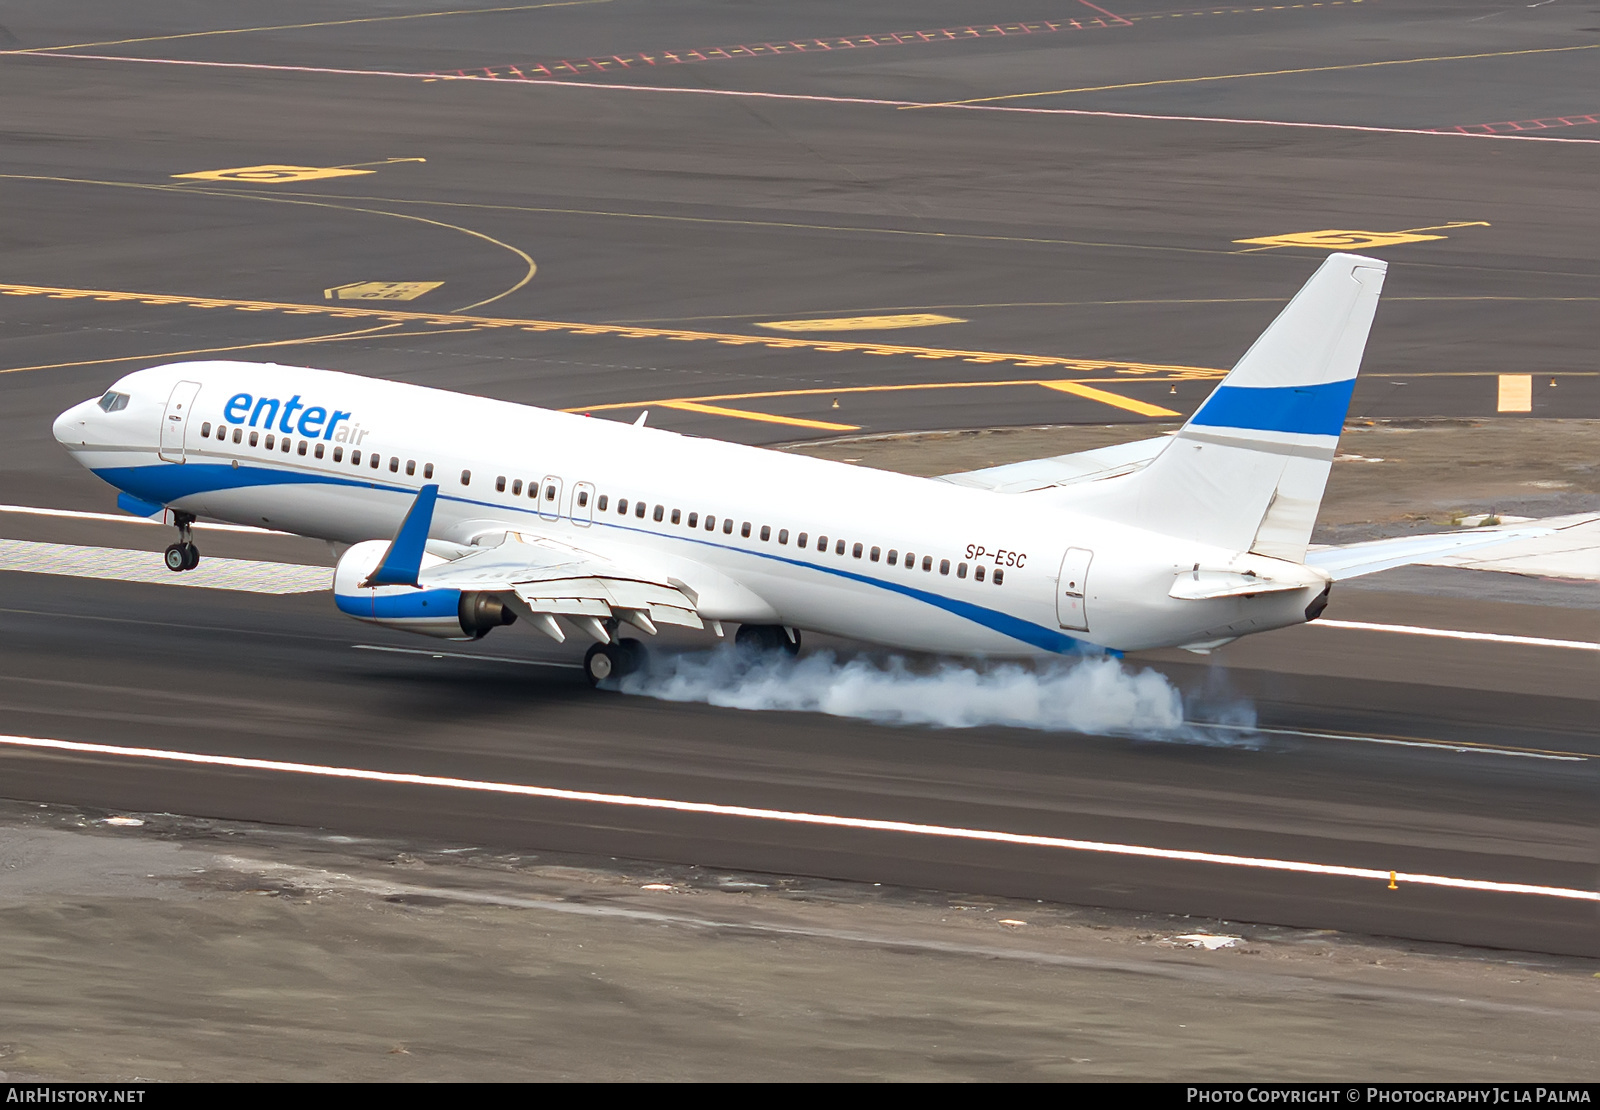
788, 817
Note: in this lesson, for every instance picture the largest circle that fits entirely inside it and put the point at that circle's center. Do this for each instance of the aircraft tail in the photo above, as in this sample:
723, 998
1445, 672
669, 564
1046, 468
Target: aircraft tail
1248, 470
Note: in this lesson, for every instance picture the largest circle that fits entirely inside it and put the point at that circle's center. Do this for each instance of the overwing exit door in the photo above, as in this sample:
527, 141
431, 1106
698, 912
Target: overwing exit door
175, 420
1072, 589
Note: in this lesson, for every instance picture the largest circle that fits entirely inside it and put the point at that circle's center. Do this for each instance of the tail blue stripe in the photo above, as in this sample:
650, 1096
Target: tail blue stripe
1317, 410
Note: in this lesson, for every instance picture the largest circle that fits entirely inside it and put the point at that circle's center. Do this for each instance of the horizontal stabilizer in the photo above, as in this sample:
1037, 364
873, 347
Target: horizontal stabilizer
1354, 560
1062, 470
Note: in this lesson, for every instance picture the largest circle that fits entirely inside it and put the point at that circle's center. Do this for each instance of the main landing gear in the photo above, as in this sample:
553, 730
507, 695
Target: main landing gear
603, 661
183, 555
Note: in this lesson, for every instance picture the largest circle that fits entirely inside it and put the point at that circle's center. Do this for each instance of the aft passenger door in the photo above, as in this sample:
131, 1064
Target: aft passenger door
1072, 588
175, 420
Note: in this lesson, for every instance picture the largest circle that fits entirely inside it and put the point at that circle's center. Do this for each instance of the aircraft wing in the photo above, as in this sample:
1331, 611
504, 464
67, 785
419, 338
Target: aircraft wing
548, 578
1062, 470
1355, 559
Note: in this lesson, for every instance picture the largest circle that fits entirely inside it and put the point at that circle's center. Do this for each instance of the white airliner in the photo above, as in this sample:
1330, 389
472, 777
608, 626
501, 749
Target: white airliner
499, 511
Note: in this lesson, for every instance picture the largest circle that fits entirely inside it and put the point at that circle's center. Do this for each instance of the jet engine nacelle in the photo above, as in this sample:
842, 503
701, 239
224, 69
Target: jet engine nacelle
445, 613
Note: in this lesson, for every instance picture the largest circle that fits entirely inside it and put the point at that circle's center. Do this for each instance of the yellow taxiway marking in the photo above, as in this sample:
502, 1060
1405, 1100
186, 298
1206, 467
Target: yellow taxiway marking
863, 323
271, 175
284, 175
705, 405
1090, 393
344, 311
381, 290
156, 359
760, 417
1259, 73
1356, 240
306, 26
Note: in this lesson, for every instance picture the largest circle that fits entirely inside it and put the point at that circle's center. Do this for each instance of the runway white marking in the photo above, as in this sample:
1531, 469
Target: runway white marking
122, 518
119, 564
798, 818
466, 655
1456, 634
802, 97
1401, 742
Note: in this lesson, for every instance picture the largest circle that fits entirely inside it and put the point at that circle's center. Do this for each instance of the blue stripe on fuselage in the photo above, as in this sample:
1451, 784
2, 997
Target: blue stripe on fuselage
167, 482
1308, 409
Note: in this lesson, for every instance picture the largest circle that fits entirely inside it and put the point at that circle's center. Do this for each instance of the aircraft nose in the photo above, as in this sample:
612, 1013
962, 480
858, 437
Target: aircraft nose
69, 426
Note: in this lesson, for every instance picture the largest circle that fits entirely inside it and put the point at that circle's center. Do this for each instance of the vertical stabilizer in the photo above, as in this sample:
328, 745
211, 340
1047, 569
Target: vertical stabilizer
1248, 470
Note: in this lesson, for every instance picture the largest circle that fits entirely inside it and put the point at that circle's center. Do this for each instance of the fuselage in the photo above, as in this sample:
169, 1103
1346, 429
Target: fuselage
761, 535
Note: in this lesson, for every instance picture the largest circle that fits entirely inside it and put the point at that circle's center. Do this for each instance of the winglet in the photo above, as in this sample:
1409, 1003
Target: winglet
403, 560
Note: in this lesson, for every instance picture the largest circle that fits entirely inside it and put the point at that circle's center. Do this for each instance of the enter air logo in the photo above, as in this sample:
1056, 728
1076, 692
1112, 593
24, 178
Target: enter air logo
291, 417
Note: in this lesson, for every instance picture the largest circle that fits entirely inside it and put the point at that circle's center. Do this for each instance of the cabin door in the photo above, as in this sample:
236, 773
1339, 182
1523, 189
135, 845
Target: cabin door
175, 420
1072, 589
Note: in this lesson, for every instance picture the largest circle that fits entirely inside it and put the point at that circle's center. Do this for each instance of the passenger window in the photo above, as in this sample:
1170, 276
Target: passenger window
927, 562
302, 449
601, 504
894, 557
677, 515
694, 520
744, 529
911, 561
550, 494
583, 498
855, 552
766, 533
977, 572
838, 547
253, 436
411, 464
271, 442
659, 514
320, 448
499, 483
800, 540
783, 535
205, 429
622, 506
961, 570
999, 575
338, 454
376, 459
727, 526
711, 522
466, 476
533, 490
873, 555
944, 566
822, 544
638, 506
516, 487
238, 434
394, 467
355, 458
284, 446
427, 469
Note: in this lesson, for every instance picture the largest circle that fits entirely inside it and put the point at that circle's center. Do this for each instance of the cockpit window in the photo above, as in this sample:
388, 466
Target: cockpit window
113, 401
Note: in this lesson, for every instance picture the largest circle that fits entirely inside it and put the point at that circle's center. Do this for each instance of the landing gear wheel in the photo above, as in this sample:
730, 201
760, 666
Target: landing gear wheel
603, 661
191, 558
765, 638
177, 557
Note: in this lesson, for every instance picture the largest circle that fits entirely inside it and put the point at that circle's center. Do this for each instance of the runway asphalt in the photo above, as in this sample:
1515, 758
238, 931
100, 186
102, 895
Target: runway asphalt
705, 239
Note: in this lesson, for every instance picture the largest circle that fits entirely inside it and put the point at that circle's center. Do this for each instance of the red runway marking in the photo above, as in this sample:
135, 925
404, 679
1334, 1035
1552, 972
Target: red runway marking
797, 46
1512, 126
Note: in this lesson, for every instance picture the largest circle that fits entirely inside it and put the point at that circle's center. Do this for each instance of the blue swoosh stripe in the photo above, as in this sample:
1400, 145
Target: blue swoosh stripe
1308, 409
167, 482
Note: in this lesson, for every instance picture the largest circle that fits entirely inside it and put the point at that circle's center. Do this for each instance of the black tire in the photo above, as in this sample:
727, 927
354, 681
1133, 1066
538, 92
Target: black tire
635, 656
177, 557
764, 638
600, 662
191, 557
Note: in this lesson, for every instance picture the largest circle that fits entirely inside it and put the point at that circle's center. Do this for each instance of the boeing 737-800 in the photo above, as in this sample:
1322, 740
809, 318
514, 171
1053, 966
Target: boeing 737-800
465, 514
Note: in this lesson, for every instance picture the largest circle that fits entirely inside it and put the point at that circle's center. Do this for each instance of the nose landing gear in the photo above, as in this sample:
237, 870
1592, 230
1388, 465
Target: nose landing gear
183, 555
